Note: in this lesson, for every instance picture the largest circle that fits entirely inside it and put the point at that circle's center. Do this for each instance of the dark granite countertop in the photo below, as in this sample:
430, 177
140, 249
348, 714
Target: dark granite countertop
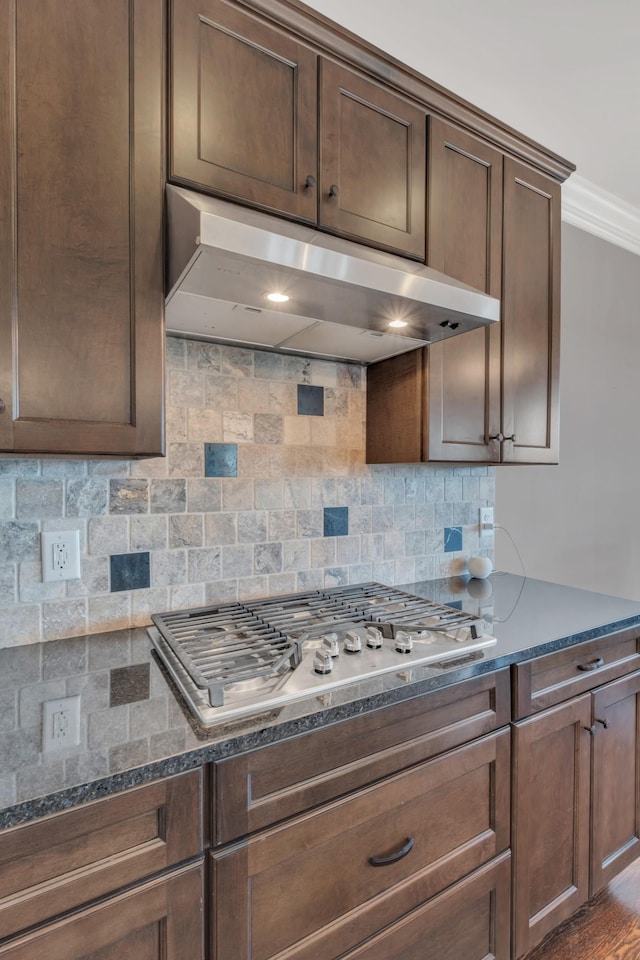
134, 728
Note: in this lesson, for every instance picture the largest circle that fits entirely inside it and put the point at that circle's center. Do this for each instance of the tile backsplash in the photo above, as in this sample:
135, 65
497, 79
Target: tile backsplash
264, 490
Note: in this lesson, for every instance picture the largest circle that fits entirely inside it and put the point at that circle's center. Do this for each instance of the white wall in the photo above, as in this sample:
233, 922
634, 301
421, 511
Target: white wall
579, 523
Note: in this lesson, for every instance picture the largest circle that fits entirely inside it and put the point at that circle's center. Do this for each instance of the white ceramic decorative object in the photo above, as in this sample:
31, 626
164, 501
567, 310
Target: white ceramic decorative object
480, 567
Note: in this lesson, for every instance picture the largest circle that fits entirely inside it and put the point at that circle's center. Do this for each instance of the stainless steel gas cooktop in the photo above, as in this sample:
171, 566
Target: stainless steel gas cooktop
232, 659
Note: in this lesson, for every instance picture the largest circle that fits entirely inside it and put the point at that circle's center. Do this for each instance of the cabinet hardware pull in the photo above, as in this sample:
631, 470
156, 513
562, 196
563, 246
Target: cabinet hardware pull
393, 857
592, 665
498, 436
605, 723
310, 183
334, 190
3, 406
591, 730
512, 438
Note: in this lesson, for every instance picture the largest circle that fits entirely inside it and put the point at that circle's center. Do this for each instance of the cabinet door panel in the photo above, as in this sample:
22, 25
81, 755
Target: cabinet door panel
81, 302
551, 788
373, 150
530, 315
161, 920
468, 922
464, 241
58, 863
615, 838
456, 810
244, 103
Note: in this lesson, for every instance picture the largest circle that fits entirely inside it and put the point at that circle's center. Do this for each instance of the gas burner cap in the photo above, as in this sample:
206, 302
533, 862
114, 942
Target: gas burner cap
403, 642
374, 638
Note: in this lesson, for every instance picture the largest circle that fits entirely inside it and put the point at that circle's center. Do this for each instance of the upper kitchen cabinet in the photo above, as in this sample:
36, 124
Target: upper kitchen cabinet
491, 395
530, 316
81, 181
372, 163
243, 108
258, 116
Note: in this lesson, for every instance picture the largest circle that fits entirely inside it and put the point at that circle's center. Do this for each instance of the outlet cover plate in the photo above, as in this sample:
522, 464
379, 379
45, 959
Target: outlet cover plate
60, 724
60, 555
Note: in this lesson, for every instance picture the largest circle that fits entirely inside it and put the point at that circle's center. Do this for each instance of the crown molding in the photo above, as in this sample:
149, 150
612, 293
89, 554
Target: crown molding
590, 208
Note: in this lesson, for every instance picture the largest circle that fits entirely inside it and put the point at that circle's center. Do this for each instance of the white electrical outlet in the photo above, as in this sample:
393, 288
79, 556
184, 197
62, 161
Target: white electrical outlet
60, 555
60, 724
486, 521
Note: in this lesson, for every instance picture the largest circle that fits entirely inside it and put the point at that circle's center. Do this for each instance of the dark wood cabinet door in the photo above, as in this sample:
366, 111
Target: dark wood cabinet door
530, 315
464, 241
615, 818
470, 921
308, 890
81, 185
550, 830
372, 162
395, 409
161, 920
243, 108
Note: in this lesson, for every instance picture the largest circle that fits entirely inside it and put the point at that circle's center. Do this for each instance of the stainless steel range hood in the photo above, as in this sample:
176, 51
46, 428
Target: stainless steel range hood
224, 259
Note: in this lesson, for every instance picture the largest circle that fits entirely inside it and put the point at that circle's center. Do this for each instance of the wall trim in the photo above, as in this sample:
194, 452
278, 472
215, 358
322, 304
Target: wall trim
593, 209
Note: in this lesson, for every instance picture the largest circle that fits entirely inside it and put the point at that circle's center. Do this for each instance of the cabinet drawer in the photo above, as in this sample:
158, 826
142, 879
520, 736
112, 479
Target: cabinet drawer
308, 890
70, 858
470, 921
160, 920
545, 681
259, 788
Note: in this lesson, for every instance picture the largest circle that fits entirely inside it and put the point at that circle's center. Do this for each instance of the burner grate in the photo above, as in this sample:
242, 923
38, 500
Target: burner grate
225, 644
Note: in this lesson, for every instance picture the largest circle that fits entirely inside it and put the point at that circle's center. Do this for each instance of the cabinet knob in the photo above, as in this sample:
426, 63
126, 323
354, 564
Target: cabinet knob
310, 183
393, 857
497, 436
3, 406
334, 190
591, 730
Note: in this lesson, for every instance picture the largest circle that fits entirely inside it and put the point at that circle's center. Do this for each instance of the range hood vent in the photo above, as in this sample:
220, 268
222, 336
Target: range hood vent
224, 259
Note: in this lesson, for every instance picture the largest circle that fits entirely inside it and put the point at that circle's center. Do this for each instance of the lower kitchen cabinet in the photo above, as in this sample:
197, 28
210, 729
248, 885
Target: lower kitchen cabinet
576, 780
615, 840
324, 883
551, 782
120, 877
470, 921
160, 920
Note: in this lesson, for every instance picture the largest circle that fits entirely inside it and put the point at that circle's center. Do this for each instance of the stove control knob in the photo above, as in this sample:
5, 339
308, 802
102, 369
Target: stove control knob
330, 645
403, 642
374, 638
322, 662
352, 642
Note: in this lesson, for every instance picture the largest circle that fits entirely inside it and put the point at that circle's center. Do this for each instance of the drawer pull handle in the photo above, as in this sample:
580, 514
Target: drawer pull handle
393, 857
605, 723
592, 665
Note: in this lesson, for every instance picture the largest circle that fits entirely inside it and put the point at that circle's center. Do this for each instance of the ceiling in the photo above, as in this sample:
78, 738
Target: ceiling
564, 72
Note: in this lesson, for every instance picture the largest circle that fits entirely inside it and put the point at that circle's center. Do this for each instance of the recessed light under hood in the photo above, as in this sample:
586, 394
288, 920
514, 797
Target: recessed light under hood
224, 259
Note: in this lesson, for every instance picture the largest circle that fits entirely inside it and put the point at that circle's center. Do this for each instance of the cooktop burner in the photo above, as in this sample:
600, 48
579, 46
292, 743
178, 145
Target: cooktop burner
237, 658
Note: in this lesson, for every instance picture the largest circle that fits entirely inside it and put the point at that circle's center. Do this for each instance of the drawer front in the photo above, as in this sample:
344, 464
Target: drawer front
468, 922
308, 890
260, 788
160, 920
62, 861
545, 681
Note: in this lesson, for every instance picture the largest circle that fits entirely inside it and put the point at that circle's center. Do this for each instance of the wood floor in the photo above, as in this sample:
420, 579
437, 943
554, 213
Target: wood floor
606, 929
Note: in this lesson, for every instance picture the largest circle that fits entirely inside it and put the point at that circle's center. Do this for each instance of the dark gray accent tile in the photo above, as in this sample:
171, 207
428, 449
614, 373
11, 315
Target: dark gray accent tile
221, 459
310, 400
129, 684
336, 521
452, 539
130, 571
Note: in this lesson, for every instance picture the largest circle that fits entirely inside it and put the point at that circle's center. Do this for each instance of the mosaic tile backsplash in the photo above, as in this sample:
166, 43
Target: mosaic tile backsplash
263, 491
